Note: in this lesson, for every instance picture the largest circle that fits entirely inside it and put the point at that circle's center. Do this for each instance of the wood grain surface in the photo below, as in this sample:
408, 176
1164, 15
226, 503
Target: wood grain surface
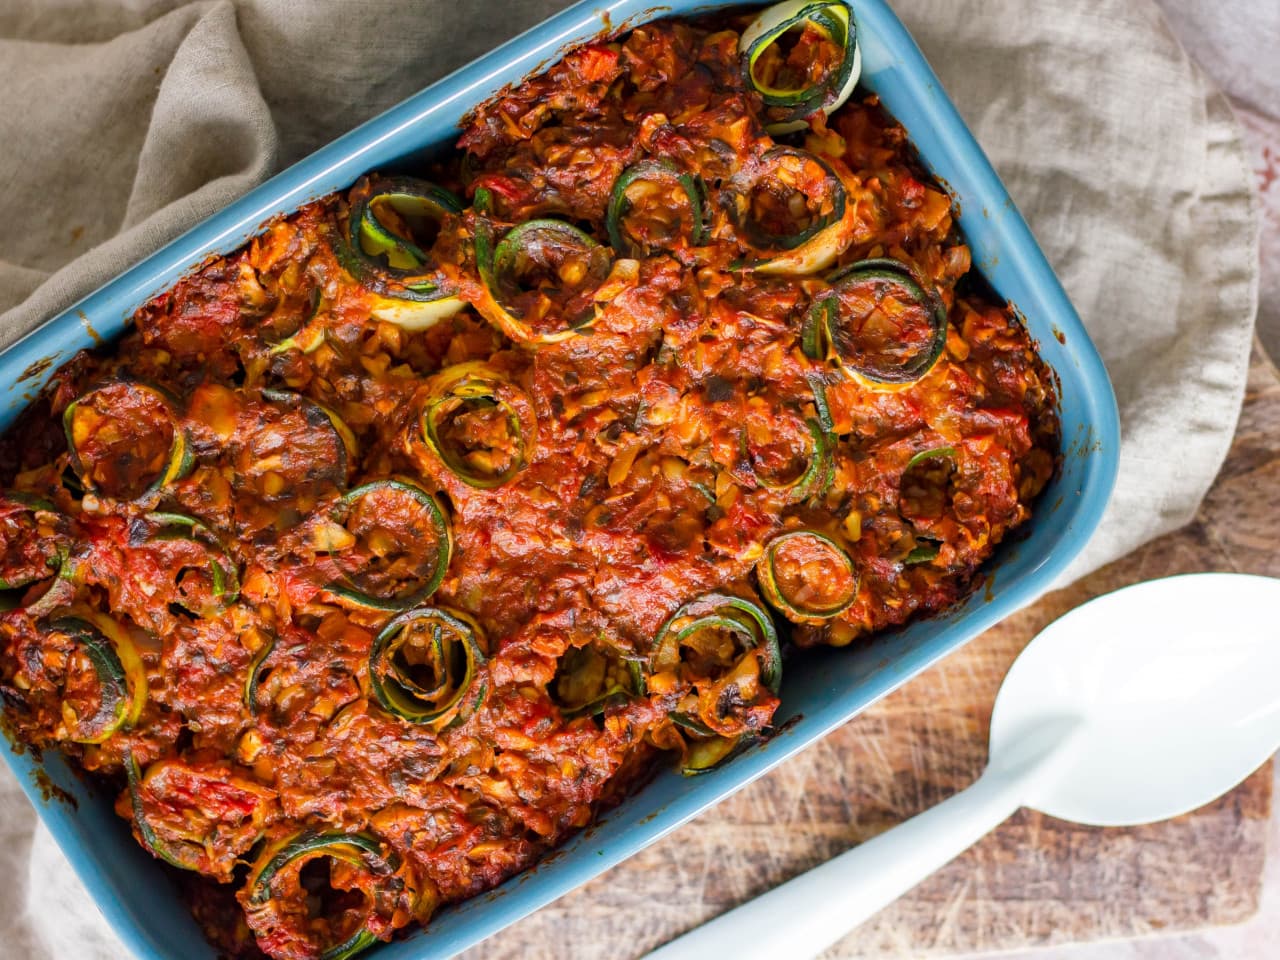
1035, 881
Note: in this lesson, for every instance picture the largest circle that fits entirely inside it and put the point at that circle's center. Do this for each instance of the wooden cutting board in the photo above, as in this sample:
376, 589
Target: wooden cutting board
1035, 881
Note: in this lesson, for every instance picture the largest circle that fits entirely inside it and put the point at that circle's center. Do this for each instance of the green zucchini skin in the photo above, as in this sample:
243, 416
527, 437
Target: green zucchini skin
350, 594
818, 334
785, 241
616, 694
30, 501
930, 454
724, 611
925, 552
311, 842
927, 548
767, 576
61, 591
709, 750
254, 677
407, 288
801, 252
789, 109
474, 383
341, 845
318, 415
149, 839
117, 669
223, 569
170, 853
420, 282
308, 337
705, 755
179, 461
817, 475
461, 689
619, 206
497, 263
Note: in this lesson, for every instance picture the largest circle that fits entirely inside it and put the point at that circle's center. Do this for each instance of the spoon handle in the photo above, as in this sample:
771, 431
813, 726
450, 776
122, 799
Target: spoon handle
807, 914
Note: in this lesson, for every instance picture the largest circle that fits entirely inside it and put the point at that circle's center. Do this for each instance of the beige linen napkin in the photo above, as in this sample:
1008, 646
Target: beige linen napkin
123, 122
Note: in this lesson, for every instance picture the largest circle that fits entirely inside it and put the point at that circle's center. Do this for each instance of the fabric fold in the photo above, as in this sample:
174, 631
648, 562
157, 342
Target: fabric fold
139, 137
225, 147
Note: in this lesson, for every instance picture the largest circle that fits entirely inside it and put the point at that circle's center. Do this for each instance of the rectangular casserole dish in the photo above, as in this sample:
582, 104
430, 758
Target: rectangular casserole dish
823, 689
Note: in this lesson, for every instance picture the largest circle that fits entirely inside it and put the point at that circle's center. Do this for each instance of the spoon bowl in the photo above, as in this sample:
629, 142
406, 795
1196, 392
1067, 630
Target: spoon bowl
1164, 694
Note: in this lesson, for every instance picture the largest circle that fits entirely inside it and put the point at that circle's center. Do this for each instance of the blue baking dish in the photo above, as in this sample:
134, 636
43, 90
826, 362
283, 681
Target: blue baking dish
821, 690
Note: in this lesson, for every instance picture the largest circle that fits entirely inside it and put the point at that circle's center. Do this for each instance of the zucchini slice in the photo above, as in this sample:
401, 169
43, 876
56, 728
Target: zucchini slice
34, 541
591, 679
477, 424
254, 677
308, 434
925, 551
539, 281
742, 618
763, 198
392, 542
725, 647
37, 571
827, 43
391, 226
645, 210
212, 816
309, 335
814, 479
425, 667
112, 698
125, 441
43, 598
923, 492
207, 577
807, 576
367, 871
934, 453
705, 754
877, 324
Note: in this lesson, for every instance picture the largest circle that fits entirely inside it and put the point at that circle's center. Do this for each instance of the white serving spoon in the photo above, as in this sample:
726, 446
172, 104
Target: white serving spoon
1137, 706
